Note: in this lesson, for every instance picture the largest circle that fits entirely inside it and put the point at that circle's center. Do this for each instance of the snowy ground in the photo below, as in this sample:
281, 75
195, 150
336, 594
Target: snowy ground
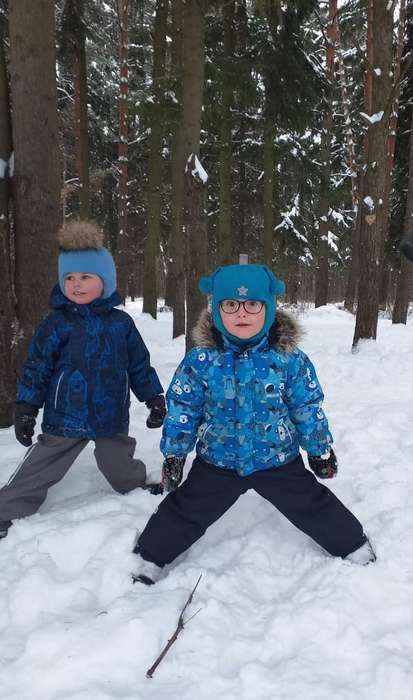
279, 620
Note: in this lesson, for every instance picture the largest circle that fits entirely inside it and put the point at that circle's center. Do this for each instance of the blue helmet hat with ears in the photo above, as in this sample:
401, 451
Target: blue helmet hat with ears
243, 282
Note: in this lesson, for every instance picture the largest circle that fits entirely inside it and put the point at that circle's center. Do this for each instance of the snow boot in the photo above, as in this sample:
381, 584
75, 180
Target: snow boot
362, 556
4, 527
147, 572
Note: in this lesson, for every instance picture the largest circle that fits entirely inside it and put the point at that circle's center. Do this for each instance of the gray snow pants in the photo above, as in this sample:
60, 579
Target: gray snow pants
47, 461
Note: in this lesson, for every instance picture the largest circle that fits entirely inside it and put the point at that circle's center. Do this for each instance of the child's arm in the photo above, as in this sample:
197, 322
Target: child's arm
143, 379
39, 364
185, 400
304, 397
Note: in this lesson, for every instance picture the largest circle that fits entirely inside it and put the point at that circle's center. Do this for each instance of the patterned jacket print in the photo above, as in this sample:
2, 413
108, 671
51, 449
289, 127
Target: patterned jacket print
246, 409
82, 362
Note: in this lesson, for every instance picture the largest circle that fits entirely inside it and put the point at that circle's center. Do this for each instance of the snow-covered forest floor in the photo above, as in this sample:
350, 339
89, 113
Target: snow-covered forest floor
279, 619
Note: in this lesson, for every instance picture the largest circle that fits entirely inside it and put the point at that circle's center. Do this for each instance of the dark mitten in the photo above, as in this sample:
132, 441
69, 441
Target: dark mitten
324, 468
24, 422
157, 413
172, 471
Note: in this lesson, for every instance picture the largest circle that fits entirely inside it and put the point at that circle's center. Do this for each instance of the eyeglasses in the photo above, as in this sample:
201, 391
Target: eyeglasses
231, 306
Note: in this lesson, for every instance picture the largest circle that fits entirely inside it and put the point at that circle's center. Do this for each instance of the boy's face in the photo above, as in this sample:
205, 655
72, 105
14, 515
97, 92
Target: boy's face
83, 287
240, 323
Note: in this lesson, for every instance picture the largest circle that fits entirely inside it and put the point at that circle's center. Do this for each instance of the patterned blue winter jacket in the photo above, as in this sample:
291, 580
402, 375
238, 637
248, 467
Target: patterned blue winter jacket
246, 409
82, 362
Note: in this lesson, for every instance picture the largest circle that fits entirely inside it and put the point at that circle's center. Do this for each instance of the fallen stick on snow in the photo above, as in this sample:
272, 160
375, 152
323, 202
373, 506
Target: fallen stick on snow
180, 626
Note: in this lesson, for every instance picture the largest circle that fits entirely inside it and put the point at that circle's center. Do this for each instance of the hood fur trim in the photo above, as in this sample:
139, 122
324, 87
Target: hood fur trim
80, 235
284, 335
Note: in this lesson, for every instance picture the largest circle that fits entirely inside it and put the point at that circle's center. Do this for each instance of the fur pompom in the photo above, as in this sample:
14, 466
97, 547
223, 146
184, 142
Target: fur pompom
80, 235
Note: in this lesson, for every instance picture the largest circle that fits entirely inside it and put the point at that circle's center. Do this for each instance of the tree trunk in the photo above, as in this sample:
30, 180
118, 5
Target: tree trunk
403, 289
81, 116
401, 304
393, 119
176, 270
384, 286
150, 290
196, 227
292, 283
37, 172
373, 208
109, 207
123, 252
268, 189
351, 158
73, 49
225, 243
241, 237
192, 99
321, 279
390, 163
353, 277
241, 33
7, 308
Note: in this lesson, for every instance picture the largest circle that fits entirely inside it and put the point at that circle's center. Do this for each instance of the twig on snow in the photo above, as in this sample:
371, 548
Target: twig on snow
180, 626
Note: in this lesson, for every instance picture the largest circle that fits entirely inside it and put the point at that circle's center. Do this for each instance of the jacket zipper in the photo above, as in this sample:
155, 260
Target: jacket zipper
127, 387
57, 389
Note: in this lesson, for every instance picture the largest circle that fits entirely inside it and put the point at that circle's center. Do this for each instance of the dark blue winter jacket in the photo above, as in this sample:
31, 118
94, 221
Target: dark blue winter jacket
82, 362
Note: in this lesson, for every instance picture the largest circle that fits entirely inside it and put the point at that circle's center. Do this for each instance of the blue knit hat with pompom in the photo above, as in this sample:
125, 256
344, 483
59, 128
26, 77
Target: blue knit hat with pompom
243, 282
82, 250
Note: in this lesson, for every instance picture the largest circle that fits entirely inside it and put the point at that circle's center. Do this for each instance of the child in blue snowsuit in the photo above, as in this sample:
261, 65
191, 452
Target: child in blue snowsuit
249, 399
83, 360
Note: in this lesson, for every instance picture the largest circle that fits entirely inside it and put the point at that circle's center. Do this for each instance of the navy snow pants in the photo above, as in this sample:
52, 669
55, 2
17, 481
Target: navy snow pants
209, 491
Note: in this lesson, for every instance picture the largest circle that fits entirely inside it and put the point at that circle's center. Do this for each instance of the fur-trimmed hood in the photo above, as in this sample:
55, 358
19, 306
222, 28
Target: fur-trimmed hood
284, 334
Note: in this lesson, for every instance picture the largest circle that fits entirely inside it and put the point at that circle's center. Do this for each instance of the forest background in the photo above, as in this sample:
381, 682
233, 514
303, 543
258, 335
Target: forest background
194, 131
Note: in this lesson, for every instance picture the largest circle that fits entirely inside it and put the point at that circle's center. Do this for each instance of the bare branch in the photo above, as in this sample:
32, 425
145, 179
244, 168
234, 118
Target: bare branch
180, 626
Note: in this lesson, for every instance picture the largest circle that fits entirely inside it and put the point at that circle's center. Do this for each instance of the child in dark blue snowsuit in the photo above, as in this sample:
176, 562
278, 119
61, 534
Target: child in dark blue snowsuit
83, 360
249, 399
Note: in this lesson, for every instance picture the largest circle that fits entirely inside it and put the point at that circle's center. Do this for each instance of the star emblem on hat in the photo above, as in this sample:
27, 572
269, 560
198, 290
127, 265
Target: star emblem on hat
242, 291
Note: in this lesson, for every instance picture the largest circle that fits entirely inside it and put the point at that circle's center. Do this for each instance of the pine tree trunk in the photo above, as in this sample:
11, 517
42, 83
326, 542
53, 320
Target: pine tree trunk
292, 283
321, 280
268, 190
241, 238
123, 251
176, 248
403, 291
196, 226
240, 215
7, 308
321, 277
37, 172
151, 255
81, 116
401, 304
73, 53
351, 157
384, 282
393, 119
109, 207
225, 243
350, 301
373, 209
192, 100
354, 272
384, 286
